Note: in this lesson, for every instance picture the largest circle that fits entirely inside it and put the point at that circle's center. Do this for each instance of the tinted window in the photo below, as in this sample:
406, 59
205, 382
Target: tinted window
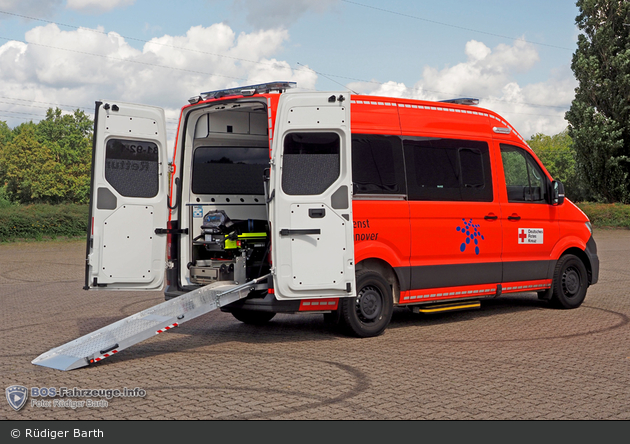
524, 179
377, 165
311, 162
229, 170
132, 167
448, 170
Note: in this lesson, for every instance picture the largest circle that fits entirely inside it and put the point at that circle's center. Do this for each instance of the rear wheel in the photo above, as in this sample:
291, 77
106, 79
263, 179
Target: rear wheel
332, 319
253, 317
369, 312
570, 281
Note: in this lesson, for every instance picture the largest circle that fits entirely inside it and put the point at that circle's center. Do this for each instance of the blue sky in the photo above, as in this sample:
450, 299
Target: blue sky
515, 56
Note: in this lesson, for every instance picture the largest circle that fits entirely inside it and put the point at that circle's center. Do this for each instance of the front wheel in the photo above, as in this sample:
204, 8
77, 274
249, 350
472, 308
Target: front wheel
369, 312
570, 281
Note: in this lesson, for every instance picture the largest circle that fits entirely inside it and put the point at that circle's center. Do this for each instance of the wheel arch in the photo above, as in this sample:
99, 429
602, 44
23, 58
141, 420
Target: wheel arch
581, 254
384, 269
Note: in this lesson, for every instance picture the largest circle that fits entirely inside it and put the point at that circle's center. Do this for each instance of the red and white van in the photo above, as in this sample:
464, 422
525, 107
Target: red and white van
352, 204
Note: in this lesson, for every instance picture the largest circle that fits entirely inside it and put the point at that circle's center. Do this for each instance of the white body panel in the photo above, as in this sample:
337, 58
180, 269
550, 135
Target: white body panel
129, 198
312, 234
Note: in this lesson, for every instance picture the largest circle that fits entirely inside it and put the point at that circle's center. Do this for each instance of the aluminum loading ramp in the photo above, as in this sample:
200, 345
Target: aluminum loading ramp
113, 338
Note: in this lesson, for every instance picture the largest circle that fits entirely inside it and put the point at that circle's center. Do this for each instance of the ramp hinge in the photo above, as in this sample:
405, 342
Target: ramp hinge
171, 231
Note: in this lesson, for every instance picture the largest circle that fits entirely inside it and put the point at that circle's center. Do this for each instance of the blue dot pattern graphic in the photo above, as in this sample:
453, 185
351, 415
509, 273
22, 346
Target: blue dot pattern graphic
473, 235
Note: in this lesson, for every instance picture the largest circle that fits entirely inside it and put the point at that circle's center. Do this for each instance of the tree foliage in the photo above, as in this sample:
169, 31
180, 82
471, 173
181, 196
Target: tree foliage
558, 155
48, 161
599, 116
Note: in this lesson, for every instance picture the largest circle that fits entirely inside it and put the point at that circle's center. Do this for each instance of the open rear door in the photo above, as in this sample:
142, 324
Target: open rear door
311, 204
129, 198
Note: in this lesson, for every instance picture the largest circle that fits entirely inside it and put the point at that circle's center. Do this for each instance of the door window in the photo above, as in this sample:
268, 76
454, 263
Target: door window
311, 163
132, 167
524, 179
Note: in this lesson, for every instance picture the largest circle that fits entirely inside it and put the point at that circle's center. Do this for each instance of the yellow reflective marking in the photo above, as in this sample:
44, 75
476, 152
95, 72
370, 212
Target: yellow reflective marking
451, 307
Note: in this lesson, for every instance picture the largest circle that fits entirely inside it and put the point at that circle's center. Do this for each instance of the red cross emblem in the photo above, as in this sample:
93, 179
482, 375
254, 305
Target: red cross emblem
522, 236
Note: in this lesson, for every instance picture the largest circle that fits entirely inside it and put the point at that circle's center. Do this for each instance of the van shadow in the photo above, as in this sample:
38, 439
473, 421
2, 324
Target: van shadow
218, 328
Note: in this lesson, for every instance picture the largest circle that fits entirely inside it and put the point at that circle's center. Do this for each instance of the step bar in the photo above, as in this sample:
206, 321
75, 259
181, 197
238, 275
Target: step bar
452, 306
112, 339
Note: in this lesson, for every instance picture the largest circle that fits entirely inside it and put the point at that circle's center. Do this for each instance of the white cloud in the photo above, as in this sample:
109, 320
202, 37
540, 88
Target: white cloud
489, 74
97, 6
268, 14
165, 72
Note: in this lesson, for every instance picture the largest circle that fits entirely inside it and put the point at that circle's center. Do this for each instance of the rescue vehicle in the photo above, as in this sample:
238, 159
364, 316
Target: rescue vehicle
280, 200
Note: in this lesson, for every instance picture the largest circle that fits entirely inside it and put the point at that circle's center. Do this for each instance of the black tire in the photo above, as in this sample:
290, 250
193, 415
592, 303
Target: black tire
570, 281
369, 313
253, 317
333, 319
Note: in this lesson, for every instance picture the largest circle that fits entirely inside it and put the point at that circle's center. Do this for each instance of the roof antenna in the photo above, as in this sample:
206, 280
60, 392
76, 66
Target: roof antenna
320, 74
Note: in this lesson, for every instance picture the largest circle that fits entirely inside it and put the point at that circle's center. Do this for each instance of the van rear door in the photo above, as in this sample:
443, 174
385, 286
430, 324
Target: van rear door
310, 189
128, 206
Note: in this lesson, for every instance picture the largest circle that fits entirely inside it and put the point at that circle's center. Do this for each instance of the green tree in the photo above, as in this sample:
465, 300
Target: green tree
599, 116
48, 161
558, 155
69, 137
30, 171
5, 134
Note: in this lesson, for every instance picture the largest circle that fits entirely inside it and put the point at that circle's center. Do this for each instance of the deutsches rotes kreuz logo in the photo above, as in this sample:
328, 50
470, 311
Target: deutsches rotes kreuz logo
17, 396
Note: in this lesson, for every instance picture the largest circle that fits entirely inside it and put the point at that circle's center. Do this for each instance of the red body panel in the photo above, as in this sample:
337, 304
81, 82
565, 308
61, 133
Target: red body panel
434, 233
381, 231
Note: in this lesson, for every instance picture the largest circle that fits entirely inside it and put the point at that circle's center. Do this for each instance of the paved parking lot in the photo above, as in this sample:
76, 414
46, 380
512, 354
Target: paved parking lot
515, 358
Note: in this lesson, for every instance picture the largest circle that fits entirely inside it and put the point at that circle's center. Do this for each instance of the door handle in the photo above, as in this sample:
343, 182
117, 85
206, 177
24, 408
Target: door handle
491, 216
291, 232
514, 217
316, 213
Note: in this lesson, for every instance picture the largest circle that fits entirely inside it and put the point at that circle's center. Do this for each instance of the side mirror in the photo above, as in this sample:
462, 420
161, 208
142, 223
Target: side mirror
557, 193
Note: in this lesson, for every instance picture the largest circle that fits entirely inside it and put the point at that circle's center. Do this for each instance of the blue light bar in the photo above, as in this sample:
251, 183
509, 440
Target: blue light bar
262, 88
462, 101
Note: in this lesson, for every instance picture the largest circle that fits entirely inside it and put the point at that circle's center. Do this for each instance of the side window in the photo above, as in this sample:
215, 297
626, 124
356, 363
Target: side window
132, 167
448, 170
524, 179
310, 163
377, 165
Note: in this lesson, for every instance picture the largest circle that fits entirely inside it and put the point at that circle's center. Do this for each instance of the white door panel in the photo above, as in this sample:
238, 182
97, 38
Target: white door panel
311, 209
129, 198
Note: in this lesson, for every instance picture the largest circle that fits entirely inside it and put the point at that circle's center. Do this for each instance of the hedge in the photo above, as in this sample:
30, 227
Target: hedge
607, 215
39, 221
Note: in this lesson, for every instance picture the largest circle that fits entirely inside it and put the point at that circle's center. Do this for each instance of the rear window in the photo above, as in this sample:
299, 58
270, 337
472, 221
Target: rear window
229, 170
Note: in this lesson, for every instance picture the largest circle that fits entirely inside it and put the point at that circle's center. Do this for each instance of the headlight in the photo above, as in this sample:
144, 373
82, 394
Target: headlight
589, 226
